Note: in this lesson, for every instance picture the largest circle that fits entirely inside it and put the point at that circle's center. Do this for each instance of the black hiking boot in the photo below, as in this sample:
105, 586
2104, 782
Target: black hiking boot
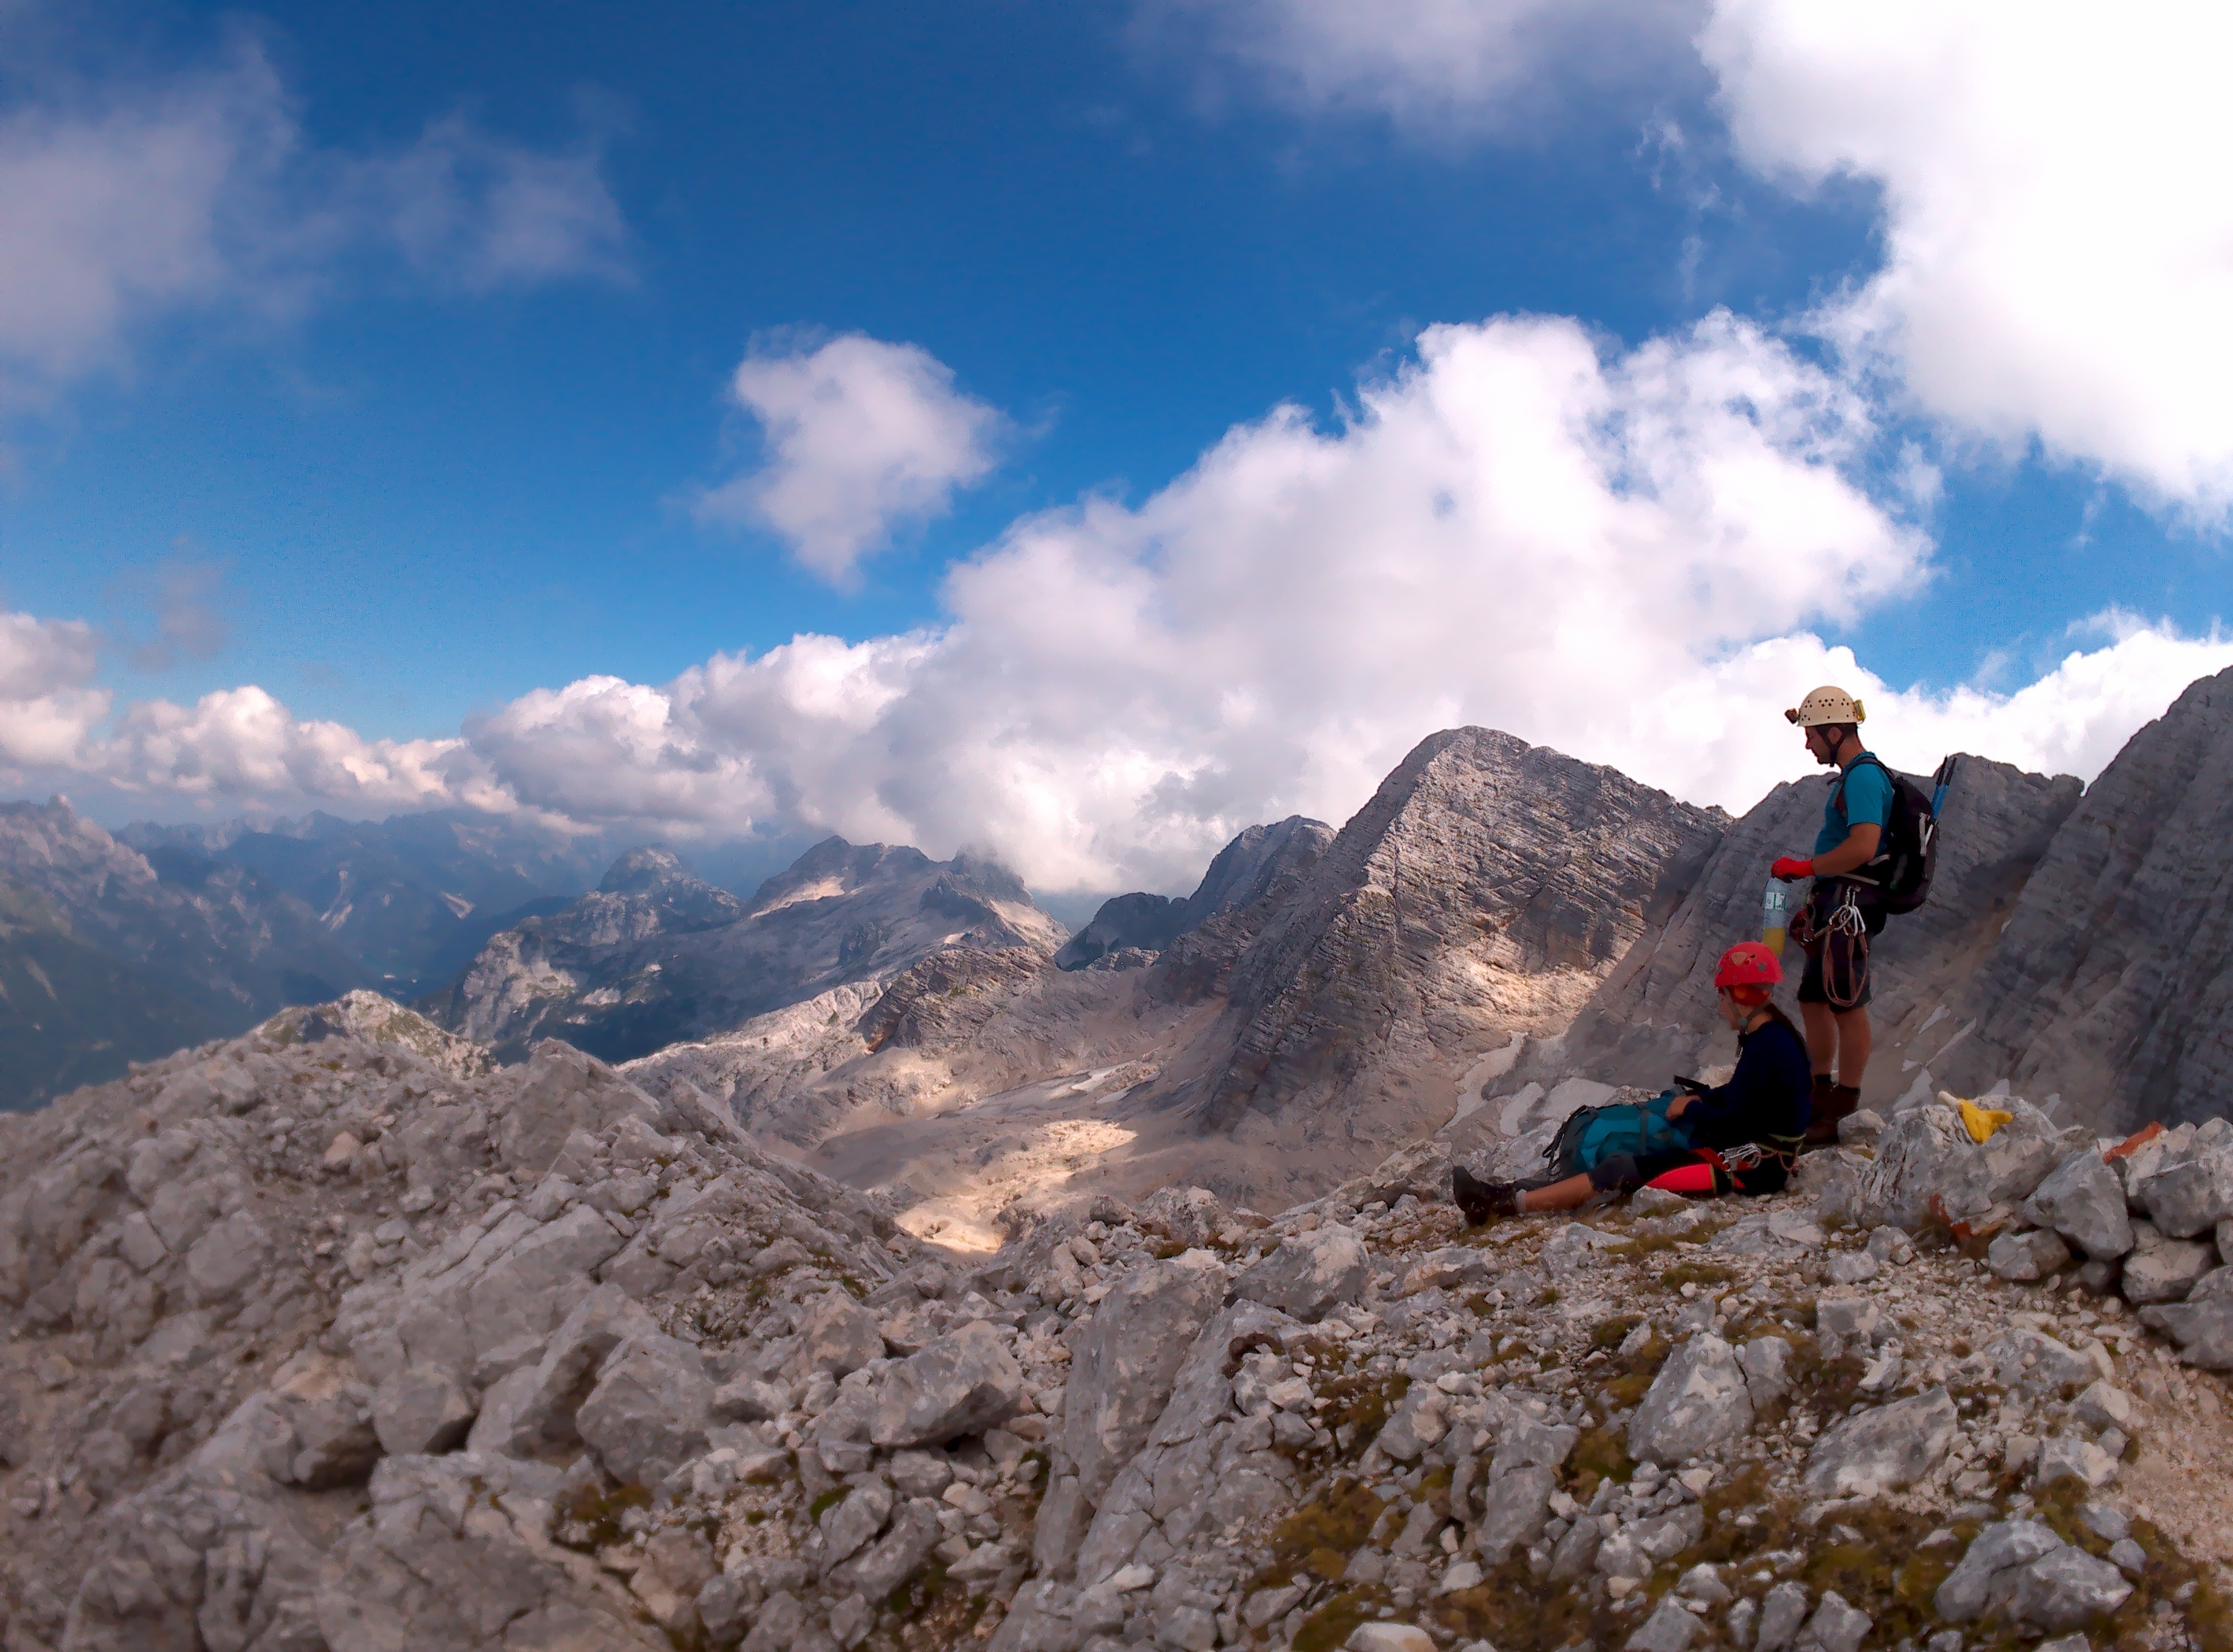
1482, 1201
1833, 1105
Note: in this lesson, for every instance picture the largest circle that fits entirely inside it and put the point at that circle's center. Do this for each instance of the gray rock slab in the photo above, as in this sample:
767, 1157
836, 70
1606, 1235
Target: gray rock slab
2005, 1546
1308, 1274
2066, 1590
1782, 1612
1516, 1506
1836, 1626
2190, 1197
1671, 1627
649, 1411
2084, 1201
2166, 1270
1124, 1366
1697, 1400
2035, 1253
2203, 1330
1927, 1168
838, 1336
961, 1384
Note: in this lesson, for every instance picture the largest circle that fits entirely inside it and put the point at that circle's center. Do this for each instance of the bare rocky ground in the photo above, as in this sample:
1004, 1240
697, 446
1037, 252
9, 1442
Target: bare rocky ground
337, 1336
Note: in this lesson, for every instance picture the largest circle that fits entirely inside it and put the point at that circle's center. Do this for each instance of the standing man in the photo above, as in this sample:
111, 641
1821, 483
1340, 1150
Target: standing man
1853, 822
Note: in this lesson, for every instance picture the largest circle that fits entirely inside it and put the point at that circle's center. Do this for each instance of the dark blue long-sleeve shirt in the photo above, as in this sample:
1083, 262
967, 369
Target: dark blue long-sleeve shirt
1769, 1094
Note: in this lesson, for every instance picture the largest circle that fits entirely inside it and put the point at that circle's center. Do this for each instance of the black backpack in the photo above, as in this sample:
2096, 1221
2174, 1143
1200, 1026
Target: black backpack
1908, 853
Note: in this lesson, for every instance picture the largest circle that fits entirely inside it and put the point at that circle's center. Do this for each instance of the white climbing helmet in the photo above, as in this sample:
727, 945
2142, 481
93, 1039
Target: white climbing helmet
1828, 704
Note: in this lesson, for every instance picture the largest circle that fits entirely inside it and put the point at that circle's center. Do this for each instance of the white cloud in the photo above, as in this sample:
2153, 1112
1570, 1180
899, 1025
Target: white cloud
1433, 67
49, 704
1629, 556
861, 436
2059, 239
130, 200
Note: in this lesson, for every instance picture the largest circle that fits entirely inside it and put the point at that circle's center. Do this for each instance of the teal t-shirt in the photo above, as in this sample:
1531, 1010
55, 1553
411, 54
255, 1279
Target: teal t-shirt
1868, 802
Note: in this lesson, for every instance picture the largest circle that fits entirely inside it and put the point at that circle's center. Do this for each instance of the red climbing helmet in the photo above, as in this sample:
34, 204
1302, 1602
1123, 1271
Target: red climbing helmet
1749, 964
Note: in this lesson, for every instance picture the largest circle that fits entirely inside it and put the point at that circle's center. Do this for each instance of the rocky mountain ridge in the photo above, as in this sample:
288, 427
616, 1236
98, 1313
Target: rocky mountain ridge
1258, 861
657, 956
338, 1338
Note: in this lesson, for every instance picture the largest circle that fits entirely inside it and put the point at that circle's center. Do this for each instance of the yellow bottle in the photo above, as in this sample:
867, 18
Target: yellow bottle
1774, 916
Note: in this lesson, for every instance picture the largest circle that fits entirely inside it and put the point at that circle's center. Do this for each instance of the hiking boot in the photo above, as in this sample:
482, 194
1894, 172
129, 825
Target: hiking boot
1833, 1105
1482, 1201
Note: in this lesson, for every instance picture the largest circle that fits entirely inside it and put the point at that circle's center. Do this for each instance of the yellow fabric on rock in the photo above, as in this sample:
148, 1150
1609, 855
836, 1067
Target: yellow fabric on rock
1981, 1122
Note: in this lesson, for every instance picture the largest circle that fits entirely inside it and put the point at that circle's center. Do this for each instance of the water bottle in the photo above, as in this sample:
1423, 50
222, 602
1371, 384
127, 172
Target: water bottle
1774, 907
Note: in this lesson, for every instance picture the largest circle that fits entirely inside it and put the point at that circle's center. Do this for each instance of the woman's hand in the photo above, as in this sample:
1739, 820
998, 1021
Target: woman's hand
1674, 1107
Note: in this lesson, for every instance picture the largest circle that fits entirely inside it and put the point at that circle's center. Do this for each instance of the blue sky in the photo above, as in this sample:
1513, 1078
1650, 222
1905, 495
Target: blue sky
399, 483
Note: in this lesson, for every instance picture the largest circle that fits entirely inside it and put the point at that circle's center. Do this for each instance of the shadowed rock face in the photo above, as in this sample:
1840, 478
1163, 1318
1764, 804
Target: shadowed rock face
2111, 984
656, 955
1486, 888
1655, 1013
1262, 862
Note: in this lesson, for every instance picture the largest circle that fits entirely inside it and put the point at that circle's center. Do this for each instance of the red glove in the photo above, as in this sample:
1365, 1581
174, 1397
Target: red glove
1791, 867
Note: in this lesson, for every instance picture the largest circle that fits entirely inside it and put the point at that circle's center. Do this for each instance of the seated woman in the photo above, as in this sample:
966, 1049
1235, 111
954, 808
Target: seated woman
1745, 1135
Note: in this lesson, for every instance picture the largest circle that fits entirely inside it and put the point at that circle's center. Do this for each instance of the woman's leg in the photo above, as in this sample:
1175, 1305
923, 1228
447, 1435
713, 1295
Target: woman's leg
1559, 1195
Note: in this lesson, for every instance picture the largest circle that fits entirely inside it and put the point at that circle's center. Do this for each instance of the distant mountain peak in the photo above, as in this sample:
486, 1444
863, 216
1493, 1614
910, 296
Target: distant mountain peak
641, 871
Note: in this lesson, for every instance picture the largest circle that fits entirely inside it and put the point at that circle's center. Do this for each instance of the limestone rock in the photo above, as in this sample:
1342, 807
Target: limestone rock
1308, 1273
839, 1336
2190, 1196
2203, 1330
2066, 1590
1883, 1449
1835, 1626
2084, 1201
1517, 1505
1191, 1216
1670, 1627
1125, 1364
649, 1411
2165, 1270
1927, 1168
1986, 1574
1697, 1399
2034, 1253
962, 1384
424, 1409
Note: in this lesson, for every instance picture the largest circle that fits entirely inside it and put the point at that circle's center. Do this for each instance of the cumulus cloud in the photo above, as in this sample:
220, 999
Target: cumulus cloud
131, 200
1631, 555
1436, 67
862, 437
48, 702
2058, 241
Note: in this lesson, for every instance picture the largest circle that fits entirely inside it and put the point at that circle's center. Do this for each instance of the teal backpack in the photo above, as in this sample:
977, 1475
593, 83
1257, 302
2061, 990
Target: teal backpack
1592, 1134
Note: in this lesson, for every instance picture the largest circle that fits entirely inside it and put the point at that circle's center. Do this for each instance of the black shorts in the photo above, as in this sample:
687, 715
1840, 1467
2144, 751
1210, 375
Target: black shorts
1626, 1171
1810, 990
1819, 905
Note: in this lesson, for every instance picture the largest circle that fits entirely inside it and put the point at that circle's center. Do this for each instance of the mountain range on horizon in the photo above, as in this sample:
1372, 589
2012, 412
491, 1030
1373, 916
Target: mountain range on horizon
1499, 925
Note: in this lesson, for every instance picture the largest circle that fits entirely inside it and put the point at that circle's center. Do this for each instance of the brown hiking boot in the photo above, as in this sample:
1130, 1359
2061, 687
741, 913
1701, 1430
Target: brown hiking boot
1482, 1201
1833, 1105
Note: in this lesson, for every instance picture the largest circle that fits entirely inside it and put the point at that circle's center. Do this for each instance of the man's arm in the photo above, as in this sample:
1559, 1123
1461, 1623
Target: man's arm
1858, 850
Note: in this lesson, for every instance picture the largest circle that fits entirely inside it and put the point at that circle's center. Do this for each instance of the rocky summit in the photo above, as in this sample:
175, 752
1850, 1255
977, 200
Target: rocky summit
338, 1335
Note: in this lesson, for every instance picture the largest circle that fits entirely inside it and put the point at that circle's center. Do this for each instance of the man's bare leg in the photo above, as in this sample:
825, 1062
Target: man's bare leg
1822, 1030
1855, 1038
